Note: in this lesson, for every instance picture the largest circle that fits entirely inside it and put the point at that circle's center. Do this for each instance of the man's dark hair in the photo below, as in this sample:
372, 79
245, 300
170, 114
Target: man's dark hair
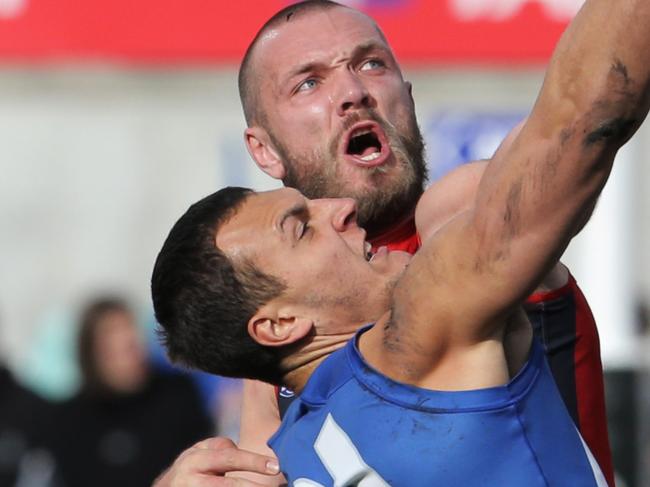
203, 300
248, 88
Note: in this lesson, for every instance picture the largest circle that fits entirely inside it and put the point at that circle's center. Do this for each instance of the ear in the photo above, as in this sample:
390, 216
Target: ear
273, 329
263, 152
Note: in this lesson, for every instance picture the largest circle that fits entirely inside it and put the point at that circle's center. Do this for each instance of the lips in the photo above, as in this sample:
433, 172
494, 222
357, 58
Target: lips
367, 248
371, 254
380, 252
365, 144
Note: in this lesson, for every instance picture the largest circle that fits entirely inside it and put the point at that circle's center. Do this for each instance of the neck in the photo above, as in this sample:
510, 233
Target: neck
301, 364
372, 341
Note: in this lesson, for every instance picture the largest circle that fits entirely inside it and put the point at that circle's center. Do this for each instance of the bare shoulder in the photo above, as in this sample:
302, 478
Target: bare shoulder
447, 197
456, 191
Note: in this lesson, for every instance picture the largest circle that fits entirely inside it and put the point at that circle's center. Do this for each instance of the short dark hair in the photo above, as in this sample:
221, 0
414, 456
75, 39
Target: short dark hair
203, 300
247, 89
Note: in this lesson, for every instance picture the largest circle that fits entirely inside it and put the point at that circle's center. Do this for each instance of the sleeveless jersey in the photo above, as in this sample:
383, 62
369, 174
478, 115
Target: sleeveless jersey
563, 323
354, 426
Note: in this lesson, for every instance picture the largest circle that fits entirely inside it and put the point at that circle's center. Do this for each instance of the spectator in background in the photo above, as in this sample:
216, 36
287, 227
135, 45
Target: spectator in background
23, 415
128, 422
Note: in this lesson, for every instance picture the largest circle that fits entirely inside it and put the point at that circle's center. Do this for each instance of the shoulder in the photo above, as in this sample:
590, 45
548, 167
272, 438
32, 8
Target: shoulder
448, 197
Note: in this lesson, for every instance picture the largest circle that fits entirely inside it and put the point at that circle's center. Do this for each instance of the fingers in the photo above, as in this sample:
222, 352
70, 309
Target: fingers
206, 463
215, 443
224, 460
211, 481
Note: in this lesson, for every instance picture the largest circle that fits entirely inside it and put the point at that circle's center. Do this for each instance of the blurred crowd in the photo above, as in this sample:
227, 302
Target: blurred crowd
133, 413
125, 424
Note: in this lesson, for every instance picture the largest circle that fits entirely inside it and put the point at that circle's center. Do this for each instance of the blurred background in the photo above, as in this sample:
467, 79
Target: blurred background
115, 115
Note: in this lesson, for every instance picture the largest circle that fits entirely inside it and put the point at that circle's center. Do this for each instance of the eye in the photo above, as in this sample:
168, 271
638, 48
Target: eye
304, 228
372, 64
307, 85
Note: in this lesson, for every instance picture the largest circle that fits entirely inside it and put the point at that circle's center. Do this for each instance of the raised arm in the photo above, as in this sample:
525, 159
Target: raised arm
459, 290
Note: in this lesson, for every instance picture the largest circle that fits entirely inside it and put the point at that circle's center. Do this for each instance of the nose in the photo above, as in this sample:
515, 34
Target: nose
353, 94
342, 212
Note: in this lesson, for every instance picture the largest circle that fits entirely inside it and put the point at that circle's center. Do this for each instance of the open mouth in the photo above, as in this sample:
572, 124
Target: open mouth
366, 144
368, 251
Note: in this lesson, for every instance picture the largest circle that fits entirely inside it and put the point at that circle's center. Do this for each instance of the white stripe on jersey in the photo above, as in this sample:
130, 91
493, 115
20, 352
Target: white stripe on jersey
595, 468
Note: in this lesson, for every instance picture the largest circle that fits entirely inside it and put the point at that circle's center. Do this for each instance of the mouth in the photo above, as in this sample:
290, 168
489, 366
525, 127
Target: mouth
371, 255
368, 251
366, 144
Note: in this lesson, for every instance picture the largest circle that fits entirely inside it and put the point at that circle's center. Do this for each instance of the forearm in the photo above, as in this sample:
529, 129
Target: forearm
596, 87
600, 68
259, 419
536, 194
594, 96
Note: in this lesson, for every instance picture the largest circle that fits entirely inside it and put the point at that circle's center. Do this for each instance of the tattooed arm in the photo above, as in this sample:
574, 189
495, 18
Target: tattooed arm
457, 295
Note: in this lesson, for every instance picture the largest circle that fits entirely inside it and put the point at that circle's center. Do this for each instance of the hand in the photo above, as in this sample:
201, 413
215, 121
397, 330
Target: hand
206, 463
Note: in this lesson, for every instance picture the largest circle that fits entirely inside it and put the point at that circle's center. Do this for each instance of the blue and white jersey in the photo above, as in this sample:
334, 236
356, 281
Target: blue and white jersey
354, 426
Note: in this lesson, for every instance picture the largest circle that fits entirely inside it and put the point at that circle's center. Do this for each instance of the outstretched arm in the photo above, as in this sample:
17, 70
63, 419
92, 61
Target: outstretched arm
455, 193
459, 290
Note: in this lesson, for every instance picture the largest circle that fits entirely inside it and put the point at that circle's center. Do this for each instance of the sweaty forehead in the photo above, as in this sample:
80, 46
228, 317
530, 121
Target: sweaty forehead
312, 36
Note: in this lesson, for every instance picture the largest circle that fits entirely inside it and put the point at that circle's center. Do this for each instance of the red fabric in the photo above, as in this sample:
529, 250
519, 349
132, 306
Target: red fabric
402, 237
540, 297
588, 368
589, 385
590, 390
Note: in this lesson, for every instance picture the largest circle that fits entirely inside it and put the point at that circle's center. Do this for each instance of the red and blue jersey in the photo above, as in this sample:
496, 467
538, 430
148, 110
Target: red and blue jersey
564, 325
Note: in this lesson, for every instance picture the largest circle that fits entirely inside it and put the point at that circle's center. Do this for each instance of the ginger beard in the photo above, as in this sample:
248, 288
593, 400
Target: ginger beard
388, 194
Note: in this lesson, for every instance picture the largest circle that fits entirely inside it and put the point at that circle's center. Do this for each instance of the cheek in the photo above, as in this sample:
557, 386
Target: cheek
319, 110
300, 129
309, 109
396, 100
331, 266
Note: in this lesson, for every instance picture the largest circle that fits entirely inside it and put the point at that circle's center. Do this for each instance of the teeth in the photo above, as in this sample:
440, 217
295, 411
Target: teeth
360, 132
371, 157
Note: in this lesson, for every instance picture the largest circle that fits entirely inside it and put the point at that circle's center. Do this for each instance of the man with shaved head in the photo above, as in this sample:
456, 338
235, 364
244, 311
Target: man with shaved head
291, 89
329, 113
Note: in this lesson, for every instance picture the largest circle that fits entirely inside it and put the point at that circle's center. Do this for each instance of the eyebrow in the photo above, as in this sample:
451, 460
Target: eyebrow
366, 47
299, 209
358, 51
